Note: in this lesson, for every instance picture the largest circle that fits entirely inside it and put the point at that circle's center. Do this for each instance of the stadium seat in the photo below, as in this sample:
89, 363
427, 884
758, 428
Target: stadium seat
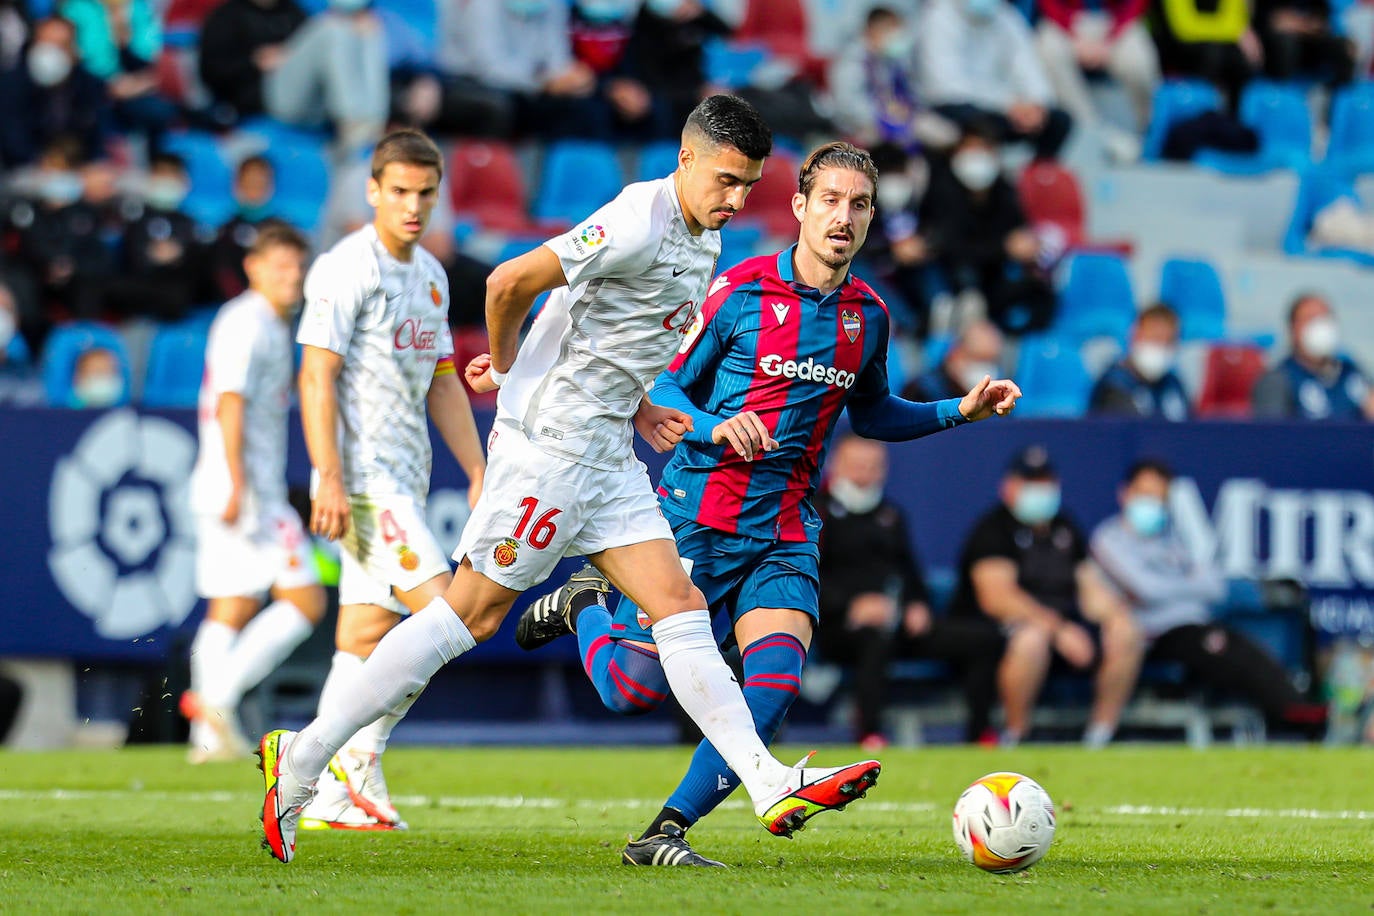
419, 17
298, 155
176, 362
1050, 372
487, 185
1050, 194
210, 200
1193, 289
738, 243
1351, 147
65, 344
1278, 113
1320, 187
780, 26
579, 177
731, 64
770, 201
1175, 100
657, 159
1096, 299
1230, 375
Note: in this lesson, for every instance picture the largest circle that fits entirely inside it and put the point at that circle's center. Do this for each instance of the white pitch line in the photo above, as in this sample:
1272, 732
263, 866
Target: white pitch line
547, 803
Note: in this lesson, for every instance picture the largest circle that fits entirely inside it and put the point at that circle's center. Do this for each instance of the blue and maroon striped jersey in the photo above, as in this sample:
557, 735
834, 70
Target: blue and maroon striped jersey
766, 343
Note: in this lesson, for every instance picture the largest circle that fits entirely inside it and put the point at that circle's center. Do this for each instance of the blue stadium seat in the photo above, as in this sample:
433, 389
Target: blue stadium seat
657, 159
1320, 187
579, 176
1193, 289
1351, 148
1175, 100
738, 243
1278, 113
302, 179
731, 64
65, 344
1050, 372
176, 362
210, 200
411, 27
1096, 299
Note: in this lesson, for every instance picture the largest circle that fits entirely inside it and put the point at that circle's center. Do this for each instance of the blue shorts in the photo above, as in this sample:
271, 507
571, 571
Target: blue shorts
736, 573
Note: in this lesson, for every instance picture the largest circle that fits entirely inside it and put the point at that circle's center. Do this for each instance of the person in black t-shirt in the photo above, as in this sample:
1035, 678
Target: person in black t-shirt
873, 601
1025, 566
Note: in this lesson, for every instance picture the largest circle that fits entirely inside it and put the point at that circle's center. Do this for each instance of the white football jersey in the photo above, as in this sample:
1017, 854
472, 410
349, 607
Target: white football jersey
249, 354
389, 322
636, 281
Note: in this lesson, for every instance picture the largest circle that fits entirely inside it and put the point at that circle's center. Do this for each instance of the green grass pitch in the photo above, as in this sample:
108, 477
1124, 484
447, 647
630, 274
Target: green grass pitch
522, 830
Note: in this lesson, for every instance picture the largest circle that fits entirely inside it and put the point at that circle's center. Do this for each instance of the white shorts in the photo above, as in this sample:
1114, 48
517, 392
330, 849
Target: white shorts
538, 508
258, 552
388, 546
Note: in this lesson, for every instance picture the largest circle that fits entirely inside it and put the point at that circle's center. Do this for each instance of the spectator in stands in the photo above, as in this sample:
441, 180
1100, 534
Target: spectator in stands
57, 237
330, 68
976, 231
97, 380
164, 270
667, 51
896, 254
601, 33
120, 41
1171, 596
1210, 40
50, 94
975, 353
19, 382
1357, 23
1298, 40
255, 181
523, 48
873, 601
1315, 381
1143, 383
978, 61
873, 88
14, 34
1077, 38
1025, 568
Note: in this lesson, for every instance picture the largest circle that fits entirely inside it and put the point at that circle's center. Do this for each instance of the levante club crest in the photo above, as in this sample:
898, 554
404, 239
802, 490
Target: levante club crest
852, 324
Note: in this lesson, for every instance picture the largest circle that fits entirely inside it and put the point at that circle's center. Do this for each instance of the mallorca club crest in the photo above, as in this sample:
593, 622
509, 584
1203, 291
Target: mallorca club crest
852, 324
505, 553
408, 558
434, 295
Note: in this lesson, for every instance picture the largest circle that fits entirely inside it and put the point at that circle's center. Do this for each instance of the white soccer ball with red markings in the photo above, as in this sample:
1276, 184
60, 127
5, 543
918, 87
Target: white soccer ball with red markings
1004, 822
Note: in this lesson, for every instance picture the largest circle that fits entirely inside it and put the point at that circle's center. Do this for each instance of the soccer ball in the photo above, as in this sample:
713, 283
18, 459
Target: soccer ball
1004, 822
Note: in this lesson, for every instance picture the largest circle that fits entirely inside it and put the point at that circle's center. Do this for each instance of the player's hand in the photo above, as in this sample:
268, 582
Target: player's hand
329, 513
746, 434
1075, 645
989, 397
661, 427
230, 515
478, 374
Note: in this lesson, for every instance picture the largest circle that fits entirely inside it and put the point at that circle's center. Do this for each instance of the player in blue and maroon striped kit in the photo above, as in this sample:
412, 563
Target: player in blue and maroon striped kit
782, 345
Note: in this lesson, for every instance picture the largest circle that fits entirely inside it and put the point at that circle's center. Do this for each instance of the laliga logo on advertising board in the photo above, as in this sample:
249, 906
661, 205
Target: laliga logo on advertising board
123, 550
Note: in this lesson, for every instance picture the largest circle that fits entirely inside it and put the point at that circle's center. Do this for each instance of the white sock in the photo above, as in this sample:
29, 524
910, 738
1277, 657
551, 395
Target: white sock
401, 665
1098, 735
265, 643
372, 738
341, 667
708, 692
209, 653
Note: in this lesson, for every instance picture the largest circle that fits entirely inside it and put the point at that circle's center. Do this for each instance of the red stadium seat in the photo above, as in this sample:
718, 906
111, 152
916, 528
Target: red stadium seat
780, 26
770, 201
487, 184
1229, 377
1051, 195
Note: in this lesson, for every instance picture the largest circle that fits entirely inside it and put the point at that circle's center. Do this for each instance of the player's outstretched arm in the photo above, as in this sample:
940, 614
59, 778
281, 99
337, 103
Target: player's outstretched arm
452, 414
320, 368
511, 290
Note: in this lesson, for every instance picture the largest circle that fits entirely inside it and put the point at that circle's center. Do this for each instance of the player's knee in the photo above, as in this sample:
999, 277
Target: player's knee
623, 705
310, 602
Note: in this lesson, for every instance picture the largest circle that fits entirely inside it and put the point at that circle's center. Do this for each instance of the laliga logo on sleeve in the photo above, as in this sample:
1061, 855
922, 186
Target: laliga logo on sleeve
123, 550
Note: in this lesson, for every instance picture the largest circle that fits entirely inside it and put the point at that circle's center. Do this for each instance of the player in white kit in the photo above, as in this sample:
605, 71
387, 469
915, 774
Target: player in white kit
377, 349
628, 283
249, 539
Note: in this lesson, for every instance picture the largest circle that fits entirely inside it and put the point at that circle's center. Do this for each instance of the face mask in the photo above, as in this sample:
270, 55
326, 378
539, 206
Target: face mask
664, 9
973, 373
526, 8
895, 192
98, 391
981, 9
1152, 360
1036, 503
975, 169
255, 213
606, 10
60, 189
1321, 337
898, 45
48, 64
164, 193
7, 328
1146, 515
349, 6
855, 499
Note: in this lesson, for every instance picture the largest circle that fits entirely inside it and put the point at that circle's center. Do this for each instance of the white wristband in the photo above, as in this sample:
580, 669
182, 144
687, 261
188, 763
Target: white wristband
498, 377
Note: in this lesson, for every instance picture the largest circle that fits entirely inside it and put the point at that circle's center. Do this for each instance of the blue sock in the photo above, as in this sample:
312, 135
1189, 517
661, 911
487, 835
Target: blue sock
772, 679
629, 678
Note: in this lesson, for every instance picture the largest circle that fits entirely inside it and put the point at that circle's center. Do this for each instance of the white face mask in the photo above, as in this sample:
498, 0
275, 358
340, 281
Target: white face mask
1152, 360
98, 391
7, 327
895, 192
165, 193
981, 9
1321, 337
898, 45
976, 169
855, 500
972, 373
664, 9
1036, 503
48, 64
60, 189
349, 6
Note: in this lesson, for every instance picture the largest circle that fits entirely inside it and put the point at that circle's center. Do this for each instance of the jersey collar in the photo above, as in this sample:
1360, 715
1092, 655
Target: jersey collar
785, 273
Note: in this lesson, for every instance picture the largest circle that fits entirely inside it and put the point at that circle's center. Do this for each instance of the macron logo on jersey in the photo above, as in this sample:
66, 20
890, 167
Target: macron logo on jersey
808, 370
